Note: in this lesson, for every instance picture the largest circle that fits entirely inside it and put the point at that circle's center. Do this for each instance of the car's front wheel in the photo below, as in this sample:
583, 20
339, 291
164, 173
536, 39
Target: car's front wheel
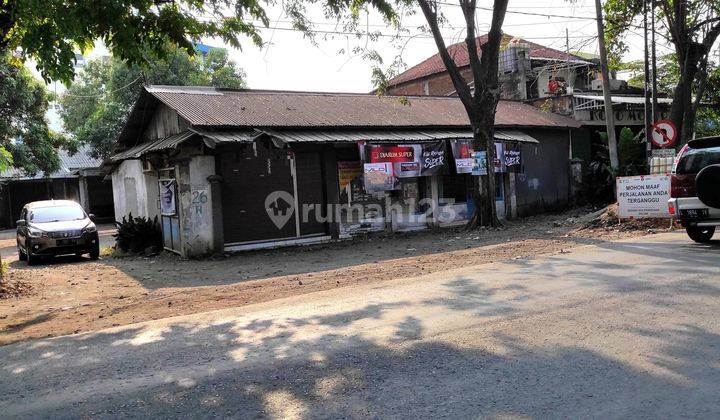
95, 253
700, 234
21, 255
32, 259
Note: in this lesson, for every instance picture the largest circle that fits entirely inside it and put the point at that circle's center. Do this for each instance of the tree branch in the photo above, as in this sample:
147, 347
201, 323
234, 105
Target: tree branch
461, 87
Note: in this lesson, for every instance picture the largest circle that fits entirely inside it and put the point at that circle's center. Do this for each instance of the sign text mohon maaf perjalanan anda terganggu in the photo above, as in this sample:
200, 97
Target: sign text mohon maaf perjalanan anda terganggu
643, 196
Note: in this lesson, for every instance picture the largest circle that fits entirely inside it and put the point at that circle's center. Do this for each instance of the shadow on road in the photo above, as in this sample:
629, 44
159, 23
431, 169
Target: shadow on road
338, 366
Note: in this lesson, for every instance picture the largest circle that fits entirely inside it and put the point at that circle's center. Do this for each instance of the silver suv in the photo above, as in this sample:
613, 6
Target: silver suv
695, 188
55, 227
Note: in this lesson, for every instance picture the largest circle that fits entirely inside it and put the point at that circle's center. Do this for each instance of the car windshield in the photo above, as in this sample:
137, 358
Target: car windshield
694, 160
56, 214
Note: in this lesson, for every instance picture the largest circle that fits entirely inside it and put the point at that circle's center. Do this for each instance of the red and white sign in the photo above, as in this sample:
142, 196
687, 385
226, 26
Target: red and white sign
664, 133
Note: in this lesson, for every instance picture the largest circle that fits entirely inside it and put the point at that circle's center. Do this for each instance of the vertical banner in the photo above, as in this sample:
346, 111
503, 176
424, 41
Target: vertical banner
513, 158
499, 158
462, 155
433, 158
167, 197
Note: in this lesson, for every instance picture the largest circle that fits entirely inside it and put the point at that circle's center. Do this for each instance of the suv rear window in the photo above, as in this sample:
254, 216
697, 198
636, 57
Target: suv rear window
694, 160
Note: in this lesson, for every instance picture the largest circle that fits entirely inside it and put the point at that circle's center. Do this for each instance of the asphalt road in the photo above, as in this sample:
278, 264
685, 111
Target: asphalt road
612, 330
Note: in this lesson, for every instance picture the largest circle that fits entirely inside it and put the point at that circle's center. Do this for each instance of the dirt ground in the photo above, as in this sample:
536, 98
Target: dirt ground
71, 295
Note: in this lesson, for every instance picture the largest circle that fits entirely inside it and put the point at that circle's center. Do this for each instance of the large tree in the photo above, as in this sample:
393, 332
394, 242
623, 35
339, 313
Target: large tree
51, 31
692, 27
481, 100
25, 139
95, 106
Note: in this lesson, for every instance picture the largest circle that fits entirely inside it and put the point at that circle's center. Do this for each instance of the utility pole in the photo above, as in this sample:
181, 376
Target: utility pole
570, 84
655, 115
609, 116
648, 104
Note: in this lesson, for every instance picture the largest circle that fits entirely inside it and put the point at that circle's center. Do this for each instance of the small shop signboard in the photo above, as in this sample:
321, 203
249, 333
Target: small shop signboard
643, 196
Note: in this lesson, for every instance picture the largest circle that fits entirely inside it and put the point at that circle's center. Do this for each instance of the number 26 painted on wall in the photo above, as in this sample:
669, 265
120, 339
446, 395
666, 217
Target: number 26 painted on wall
199, 197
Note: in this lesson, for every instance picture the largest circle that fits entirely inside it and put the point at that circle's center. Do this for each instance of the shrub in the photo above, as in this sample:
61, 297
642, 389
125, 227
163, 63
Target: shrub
138, 234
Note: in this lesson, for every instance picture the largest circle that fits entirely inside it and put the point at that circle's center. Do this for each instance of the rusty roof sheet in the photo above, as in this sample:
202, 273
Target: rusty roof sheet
167, 143
459, 52
249, 109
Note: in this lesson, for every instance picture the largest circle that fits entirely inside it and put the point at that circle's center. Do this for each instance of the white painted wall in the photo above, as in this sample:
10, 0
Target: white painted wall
196, 206
134, 191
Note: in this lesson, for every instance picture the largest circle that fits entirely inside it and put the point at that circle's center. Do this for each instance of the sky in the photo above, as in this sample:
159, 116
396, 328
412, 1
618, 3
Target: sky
289, 61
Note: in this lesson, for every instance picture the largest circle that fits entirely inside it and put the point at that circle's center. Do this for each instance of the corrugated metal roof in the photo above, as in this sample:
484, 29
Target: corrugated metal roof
459, 52
512, 135
213, 138
353, 136
69, 165
257, 109
152, 146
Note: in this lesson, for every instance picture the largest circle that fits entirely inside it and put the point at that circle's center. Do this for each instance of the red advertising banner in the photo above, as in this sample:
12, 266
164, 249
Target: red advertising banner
392, 154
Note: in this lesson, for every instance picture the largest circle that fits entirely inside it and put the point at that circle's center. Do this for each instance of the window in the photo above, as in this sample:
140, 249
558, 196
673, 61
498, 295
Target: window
56, 214
694, 160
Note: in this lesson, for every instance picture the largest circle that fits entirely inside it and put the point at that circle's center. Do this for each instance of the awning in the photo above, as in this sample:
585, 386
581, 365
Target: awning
213, 138
353, 136
167, 143
512, 135
393, 136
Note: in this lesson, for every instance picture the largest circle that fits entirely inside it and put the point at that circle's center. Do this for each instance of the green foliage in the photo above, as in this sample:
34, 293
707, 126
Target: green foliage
137, 31
138, 234
631, 152
25, 140
95, 107
707, 122
50, 31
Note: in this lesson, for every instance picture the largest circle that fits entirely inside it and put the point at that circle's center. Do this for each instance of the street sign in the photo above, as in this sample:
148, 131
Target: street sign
643, 196
664, 133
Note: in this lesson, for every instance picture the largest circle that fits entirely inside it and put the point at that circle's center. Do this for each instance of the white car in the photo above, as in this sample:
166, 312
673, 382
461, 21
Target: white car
695, 188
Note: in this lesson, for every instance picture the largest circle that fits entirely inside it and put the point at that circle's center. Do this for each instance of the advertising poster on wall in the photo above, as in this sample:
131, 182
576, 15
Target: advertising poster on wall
167, 197
433, 158
379, 177
348, 171
479, 163
513, 158
404, 158
409, 160
462, 154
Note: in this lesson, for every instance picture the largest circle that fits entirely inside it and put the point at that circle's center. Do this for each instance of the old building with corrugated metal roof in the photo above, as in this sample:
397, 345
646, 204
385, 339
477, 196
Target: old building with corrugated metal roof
242, 169
79, 179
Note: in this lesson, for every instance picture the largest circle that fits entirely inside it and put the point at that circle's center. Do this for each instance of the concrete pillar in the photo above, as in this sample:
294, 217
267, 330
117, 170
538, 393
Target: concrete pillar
435, 199
197, 215
512, 195
83, 191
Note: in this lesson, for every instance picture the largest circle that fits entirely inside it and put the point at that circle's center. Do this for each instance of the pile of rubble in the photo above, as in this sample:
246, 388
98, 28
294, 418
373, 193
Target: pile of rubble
16, 288
608, 219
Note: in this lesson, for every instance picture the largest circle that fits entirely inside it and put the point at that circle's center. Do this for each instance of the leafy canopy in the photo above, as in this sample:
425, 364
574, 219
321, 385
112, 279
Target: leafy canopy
51, 31
95, 107
25, 139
